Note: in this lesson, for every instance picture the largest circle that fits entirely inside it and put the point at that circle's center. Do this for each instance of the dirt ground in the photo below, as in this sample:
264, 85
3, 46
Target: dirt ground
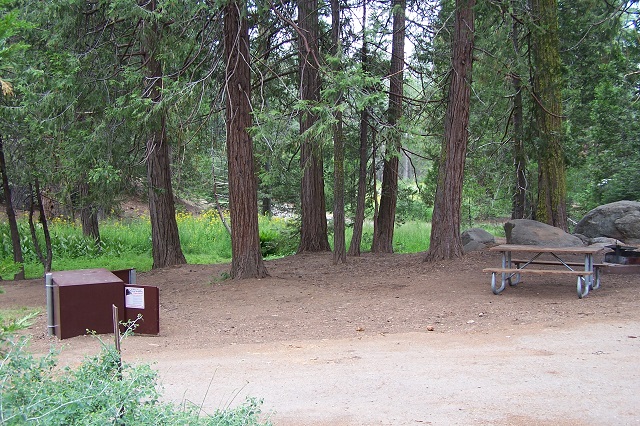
385, 339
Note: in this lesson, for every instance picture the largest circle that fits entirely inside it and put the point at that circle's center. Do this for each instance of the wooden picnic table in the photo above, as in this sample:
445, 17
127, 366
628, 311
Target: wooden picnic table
588, 277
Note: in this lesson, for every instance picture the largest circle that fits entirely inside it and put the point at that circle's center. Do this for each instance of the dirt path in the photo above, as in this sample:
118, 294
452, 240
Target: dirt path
350, 344
586, 375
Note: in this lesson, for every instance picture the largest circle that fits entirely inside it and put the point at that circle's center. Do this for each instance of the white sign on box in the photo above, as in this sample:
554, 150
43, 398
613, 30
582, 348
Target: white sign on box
134, 297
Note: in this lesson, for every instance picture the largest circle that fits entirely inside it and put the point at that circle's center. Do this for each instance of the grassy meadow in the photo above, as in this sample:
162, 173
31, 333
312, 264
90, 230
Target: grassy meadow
126, 243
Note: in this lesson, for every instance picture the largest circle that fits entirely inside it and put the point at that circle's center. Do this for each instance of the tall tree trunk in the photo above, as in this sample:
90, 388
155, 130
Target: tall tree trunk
165, 239
445, 226
11, 215
88, 214
339, 243
358, 221
313, 231
246, 257
383, 235
547, 100
519, 209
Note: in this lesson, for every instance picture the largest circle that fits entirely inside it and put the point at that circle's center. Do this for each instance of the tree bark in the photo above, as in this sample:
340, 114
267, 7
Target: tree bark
339, 243
246, 257
445, 226
547, 101
358, 221
165, 239
11, 215
313, 230
385, 222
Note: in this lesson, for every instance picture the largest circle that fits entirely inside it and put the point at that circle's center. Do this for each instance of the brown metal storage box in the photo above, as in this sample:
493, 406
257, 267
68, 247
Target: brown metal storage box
83, 299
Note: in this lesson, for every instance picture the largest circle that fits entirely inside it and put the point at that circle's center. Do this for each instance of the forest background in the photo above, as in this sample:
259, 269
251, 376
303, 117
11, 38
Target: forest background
295, 107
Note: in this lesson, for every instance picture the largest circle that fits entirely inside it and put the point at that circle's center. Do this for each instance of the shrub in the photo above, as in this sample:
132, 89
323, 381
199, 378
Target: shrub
101, 391
278, 236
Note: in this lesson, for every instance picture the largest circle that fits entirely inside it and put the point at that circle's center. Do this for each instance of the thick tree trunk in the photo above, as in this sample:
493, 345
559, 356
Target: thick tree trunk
165, 239
246, 261
11, 215
445, 226
383, 235
313, 231
547, 100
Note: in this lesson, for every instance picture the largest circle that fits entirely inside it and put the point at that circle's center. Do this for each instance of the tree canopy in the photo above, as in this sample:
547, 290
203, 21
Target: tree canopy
104, 99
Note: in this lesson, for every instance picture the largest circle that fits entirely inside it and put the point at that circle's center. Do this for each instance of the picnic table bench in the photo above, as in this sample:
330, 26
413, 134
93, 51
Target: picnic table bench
588, 277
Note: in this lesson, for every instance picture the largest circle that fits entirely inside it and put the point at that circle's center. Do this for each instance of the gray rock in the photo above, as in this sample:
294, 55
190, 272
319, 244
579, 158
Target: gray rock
473, 246
604, 241
531, 232
476, 239
477, 234
619, 220
585, 240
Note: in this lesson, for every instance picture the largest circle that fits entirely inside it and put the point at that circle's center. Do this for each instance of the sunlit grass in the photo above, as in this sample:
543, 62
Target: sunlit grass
409, 237
127, 243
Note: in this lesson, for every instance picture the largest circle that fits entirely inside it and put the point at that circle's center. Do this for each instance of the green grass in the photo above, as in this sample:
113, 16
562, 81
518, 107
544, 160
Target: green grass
127, 243
16, 313
409, 237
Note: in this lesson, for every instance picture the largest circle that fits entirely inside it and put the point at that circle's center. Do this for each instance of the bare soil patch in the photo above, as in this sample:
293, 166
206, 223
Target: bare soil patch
371, 298
307, 297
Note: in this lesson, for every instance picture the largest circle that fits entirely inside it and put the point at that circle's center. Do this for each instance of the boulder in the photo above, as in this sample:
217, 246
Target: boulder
476, 239
604, 242
473, 246
477, 234
619, 220
531, 232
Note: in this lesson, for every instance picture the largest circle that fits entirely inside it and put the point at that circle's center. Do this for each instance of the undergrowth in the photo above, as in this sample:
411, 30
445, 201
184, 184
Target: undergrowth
100, 391
127, 243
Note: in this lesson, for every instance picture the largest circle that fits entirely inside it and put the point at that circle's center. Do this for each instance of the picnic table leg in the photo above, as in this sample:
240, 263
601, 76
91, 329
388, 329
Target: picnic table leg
596, 273
588, 280
583, 286
506, 263
595, 278
588, 266
494, 288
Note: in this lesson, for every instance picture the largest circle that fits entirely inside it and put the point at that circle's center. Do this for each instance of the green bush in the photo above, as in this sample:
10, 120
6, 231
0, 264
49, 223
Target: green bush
8, 268
278, 237
101, 391
411, 205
